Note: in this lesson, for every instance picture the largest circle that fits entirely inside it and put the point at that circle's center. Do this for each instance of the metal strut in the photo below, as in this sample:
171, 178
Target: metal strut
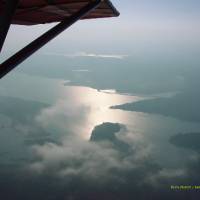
31, 48
6, 18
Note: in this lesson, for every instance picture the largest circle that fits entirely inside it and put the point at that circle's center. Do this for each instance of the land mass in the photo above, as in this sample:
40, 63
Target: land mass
181, 106
19, 109
106, 132
23, 126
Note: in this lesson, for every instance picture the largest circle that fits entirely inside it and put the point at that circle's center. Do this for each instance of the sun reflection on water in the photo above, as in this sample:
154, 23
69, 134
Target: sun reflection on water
99, 104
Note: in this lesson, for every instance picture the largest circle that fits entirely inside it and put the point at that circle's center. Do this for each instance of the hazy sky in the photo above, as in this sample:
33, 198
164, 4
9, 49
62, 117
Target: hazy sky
143, 26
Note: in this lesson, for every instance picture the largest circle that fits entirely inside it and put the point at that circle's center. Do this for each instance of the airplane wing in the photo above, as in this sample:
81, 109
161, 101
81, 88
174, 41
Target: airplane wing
31, 12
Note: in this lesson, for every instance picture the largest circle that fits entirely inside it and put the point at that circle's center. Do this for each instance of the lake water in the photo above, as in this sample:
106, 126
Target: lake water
86, 107
77, 110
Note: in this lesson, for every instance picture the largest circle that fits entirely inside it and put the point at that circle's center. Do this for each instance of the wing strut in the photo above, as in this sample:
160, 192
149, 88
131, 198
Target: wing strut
6, 19
31, 48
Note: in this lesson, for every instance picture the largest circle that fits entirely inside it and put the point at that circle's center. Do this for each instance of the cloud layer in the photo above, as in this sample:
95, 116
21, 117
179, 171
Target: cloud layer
92, 55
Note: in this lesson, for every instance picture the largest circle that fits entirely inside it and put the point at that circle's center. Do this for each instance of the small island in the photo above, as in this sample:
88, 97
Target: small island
106, 132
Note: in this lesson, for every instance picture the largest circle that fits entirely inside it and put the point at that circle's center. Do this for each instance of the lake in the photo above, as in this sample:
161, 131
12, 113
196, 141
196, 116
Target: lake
65, 112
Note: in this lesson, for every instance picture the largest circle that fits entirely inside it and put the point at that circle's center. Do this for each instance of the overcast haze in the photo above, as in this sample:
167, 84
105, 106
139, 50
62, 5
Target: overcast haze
143, 26
107, 110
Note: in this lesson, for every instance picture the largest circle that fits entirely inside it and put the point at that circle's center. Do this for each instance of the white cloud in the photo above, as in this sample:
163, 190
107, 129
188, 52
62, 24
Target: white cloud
113, 56
92, 55
64, 118
166, 174
89, 160
76, 157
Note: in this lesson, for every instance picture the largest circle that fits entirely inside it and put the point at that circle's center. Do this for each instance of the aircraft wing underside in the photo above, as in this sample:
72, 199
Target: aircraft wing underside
30, 12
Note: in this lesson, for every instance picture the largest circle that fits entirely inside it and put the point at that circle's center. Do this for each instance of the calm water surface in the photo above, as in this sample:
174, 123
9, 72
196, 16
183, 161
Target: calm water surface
77, 110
